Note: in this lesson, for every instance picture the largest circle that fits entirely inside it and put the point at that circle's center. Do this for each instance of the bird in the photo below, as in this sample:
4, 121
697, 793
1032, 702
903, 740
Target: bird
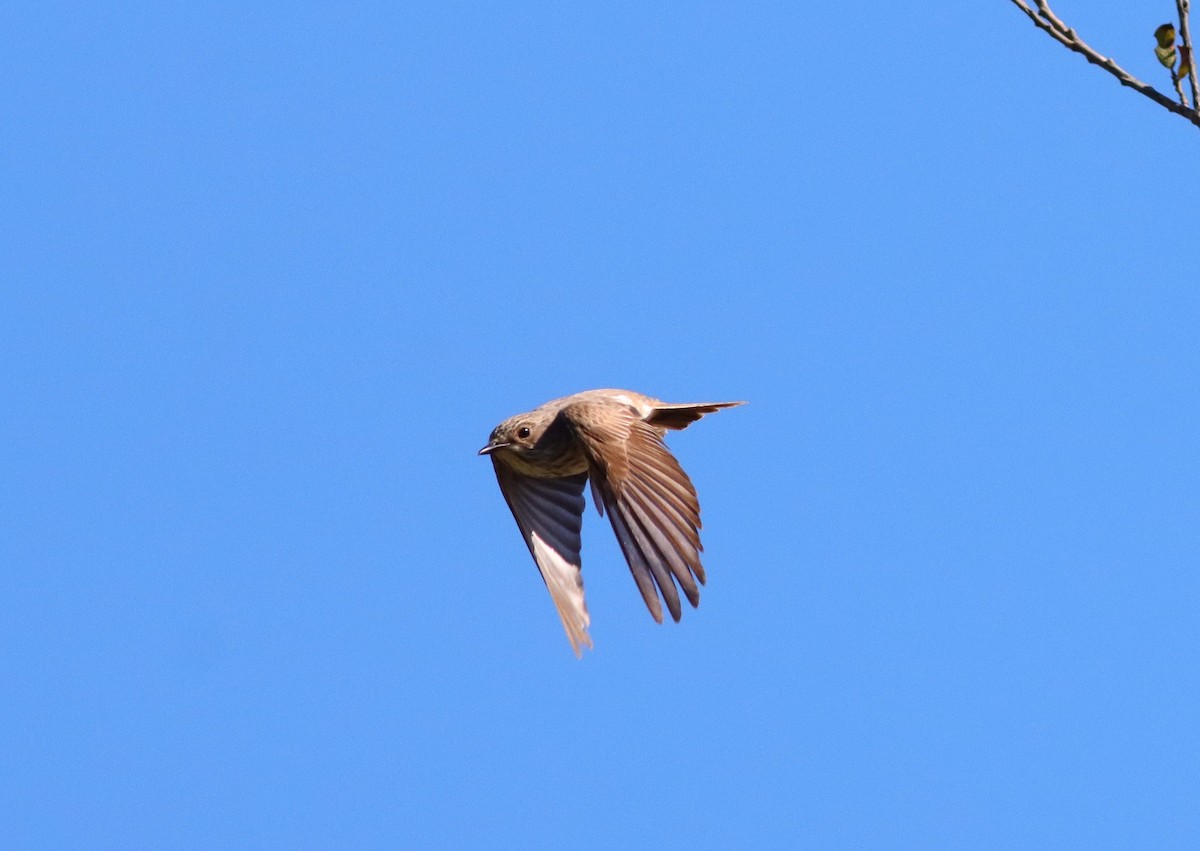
614, 439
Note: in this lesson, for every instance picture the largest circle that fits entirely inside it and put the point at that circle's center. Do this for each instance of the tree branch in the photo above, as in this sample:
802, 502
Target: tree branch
1185, 37
1178, 81
1049, 23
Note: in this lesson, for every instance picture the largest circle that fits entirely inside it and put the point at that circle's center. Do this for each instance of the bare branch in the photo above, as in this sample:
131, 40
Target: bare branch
1178, 81
1055, 21
1185, 37
1049, 23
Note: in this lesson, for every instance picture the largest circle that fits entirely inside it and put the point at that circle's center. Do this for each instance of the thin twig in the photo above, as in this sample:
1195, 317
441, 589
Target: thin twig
1178, 81
1185, 38
1055, 21
1049, 23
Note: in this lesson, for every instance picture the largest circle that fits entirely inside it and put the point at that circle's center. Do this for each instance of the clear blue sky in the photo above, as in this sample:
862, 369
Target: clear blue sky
271, 273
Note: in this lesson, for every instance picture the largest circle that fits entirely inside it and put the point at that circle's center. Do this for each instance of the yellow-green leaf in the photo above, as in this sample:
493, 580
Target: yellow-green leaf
1166, 55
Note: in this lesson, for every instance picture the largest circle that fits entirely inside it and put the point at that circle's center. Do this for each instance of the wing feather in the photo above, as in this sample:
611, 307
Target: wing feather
639, 566
549, 513
649, 499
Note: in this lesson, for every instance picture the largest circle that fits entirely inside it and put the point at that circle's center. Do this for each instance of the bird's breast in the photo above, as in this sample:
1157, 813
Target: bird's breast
551, 461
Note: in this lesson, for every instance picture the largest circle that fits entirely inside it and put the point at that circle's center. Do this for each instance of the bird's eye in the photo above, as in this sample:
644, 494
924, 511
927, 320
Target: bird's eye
523, 432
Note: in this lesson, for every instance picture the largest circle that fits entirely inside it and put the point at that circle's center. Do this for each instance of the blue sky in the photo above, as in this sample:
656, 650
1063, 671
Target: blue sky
272, 274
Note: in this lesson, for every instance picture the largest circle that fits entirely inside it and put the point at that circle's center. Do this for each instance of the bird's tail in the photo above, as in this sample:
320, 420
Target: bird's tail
682, 416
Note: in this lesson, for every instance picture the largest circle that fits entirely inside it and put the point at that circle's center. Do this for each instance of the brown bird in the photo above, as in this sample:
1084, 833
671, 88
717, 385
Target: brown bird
615, 438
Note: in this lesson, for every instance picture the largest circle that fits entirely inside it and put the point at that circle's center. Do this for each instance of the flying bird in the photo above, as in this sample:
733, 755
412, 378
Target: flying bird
614, 438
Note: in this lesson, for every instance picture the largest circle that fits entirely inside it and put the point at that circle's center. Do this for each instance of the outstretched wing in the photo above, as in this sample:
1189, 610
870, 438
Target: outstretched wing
650, 500
550, 514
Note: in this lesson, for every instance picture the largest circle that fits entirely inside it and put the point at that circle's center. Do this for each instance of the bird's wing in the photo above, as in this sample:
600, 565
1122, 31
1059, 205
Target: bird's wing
651, 502
550, 514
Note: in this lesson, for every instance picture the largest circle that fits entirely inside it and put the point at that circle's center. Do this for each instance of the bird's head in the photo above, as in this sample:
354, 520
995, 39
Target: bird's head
517, 434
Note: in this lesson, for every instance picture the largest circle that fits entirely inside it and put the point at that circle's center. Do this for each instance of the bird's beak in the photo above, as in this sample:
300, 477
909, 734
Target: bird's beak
492, 447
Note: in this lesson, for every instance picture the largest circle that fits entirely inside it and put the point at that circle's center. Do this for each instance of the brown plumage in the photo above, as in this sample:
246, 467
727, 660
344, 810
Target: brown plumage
614, 438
